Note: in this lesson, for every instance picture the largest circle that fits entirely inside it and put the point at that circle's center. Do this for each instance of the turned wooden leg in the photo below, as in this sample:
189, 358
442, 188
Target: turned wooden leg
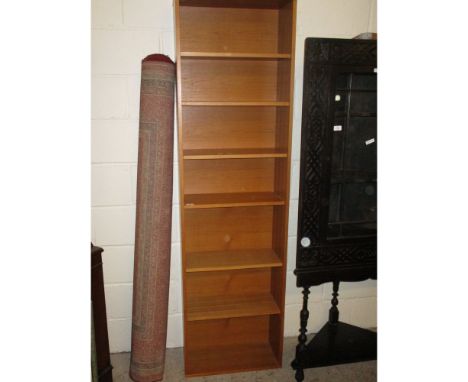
301, 348
299, 375
334, 314
304, 318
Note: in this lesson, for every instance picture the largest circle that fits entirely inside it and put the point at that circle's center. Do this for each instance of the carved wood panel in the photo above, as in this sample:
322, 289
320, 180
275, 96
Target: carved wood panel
323, 59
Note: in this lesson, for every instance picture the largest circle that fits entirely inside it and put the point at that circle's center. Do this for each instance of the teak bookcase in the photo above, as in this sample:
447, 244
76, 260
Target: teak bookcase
235, 66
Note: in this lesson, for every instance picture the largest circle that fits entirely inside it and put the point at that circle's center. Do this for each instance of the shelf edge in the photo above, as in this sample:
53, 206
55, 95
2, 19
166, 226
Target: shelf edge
228, 55
234, 103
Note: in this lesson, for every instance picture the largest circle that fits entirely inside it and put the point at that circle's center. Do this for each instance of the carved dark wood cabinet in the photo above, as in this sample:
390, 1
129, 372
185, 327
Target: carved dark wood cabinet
100, 345
337, 227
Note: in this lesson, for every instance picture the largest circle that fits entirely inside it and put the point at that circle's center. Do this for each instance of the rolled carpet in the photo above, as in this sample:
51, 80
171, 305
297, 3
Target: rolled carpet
153, 219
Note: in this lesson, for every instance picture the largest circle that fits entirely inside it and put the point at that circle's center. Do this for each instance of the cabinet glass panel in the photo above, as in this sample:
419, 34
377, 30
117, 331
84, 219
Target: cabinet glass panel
353, 180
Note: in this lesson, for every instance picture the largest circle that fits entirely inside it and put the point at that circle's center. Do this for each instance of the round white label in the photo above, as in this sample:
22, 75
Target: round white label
305, 242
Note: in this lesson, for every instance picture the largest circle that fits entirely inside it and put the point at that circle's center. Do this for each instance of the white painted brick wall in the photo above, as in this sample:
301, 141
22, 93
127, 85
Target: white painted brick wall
124, 32
114, 141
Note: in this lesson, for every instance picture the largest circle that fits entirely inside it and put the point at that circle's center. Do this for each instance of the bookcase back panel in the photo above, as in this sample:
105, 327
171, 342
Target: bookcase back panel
228, 332
275, 340
217, 29
230, 80
219, 229
228, 283
229, 176
230, 345
229, 127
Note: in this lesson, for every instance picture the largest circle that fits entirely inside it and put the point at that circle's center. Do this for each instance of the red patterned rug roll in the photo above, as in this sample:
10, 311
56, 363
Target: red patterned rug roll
153, 219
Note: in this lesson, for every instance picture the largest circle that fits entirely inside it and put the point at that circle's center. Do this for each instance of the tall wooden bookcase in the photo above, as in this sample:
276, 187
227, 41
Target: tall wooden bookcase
235, 66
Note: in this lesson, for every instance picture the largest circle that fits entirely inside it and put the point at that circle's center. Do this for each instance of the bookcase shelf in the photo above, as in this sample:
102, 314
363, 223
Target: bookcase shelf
217, 307
240, 199
228, 55
234, 103
228, 260
235, 67
196, 154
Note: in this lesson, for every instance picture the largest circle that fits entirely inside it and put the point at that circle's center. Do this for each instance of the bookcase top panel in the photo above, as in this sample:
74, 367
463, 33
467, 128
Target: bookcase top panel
270, 4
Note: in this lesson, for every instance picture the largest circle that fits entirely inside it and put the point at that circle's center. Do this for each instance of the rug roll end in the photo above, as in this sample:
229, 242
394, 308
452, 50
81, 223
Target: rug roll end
157, 57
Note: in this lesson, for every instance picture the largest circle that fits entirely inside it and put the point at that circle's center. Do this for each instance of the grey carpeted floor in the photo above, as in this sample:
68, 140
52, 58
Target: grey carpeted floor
174, 370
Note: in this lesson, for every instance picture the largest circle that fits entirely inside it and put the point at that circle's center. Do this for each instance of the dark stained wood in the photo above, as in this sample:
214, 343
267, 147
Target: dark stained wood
336, 236
331, 258
99, 316
340, 343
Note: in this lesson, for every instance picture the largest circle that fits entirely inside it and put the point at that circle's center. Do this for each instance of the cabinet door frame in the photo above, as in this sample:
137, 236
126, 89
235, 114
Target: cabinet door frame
327, 258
